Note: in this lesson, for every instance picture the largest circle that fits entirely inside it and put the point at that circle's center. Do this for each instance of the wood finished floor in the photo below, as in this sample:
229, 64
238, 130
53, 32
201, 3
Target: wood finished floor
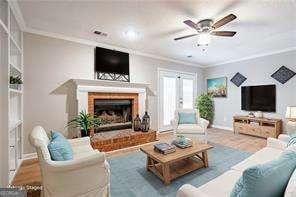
29, 172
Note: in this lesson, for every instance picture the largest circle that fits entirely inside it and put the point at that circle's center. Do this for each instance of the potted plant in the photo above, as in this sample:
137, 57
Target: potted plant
85, 122
205, 106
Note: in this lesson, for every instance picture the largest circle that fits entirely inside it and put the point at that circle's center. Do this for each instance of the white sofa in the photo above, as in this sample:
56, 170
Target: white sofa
193, 131
87, 174
223, 185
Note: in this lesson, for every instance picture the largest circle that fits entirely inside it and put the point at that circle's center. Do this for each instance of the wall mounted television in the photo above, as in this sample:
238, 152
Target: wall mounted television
258, 98
112, 65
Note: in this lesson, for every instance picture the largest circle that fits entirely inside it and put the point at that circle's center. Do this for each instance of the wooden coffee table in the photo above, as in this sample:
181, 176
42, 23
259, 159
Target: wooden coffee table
170, 166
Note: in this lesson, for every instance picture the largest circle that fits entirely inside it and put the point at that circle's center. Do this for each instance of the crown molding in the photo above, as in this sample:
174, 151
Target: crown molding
253, 57
108, 46
19, 17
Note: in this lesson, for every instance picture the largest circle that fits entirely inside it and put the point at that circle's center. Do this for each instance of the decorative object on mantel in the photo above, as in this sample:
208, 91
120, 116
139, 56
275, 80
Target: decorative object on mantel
217, 87
15, 82
112, 76
238, 79
283, 74
137, 123
291, 117
145, 122
85, 122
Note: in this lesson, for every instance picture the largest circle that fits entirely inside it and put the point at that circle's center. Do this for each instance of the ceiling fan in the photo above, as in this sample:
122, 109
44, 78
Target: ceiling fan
207, 27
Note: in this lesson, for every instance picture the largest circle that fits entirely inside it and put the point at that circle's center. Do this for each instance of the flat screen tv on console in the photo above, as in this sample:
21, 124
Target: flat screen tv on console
111, 64
258, 98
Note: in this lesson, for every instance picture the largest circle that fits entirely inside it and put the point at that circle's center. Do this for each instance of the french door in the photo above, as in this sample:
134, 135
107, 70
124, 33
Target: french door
176, 90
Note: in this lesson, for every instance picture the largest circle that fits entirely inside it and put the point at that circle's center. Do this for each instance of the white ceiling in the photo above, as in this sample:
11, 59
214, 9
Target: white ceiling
263, 27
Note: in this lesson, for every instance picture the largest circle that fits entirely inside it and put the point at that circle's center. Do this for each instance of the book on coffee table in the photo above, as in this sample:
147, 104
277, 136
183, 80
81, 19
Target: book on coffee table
184, 143
164, 148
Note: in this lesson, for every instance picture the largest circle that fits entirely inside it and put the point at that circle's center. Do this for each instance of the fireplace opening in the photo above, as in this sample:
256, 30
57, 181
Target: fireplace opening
115, 114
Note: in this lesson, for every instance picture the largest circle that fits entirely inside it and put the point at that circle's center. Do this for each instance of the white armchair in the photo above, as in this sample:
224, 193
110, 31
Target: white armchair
87, 174
195, 131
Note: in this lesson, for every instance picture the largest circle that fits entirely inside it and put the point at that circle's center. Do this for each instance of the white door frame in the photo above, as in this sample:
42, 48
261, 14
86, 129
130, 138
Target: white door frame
172, 72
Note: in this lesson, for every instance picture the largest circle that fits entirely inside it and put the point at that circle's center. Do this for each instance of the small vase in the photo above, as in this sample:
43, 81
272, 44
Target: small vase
137, 123
146, 122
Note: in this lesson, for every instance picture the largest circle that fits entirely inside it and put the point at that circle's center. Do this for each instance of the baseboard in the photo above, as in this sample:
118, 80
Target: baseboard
29, 156
223, 127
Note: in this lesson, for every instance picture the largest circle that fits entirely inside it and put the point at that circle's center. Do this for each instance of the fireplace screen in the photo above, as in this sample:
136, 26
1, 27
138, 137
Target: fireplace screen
115, 114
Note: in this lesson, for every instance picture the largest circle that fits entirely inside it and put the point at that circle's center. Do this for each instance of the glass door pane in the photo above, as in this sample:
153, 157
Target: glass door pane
188, 93
169, 99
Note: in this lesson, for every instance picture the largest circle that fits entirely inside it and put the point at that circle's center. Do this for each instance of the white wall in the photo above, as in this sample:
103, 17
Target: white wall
49, 62
258, 72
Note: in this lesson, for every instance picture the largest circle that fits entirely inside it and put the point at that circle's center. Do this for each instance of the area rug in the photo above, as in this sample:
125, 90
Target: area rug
129, 177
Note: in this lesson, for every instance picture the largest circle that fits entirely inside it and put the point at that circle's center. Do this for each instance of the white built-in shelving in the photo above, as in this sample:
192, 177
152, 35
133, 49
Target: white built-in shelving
11, 47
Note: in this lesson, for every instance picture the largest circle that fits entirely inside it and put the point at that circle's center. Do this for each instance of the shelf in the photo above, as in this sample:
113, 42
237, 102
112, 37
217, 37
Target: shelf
3, 26
11, 90
15, 44
4, 14
16, 68
14, 124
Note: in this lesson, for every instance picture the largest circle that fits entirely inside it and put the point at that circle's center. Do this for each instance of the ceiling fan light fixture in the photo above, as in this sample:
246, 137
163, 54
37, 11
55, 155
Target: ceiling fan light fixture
204, 39
131, 34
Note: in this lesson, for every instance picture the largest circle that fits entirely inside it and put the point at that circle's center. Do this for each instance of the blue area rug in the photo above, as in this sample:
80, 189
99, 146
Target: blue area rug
129, 177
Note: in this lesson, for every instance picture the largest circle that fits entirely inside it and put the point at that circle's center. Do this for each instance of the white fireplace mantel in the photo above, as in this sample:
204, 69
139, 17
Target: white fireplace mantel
78, 89
115, 84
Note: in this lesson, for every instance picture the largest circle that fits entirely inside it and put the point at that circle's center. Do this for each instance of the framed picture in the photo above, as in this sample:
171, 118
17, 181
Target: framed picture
217, 87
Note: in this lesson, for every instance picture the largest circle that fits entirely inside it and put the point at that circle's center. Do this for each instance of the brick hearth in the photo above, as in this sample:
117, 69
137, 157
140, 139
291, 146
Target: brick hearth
113, 140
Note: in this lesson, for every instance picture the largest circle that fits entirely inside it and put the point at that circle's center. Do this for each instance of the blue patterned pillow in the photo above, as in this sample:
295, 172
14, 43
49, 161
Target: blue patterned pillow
292, 141
187, 118
266, 180
59, 147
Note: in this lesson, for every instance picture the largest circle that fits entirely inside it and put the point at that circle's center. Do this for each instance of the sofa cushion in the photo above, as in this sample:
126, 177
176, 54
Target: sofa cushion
187, 118
262, 156
220, 186
291, 187
266, 180
59, 147
189, 129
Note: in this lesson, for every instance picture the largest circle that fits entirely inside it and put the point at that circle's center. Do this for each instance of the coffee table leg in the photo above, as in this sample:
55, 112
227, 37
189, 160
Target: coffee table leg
166, 173
205, 158
148, 163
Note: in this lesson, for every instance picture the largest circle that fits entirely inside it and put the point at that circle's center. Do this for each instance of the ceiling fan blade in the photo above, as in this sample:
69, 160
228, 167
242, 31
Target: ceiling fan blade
188, 36
223, 33
191, 24
224, 21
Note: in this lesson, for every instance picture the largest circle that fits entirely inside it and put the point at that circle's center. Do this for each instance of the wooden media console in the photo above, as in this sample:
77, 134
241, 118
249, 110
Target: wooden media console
261, 127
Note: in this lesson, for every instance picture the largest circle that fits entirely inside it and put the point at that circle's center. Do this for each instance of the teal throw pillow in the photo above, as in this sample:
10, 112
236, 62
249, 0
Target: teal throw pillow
59, 147
187, 118
266, 180
292, 141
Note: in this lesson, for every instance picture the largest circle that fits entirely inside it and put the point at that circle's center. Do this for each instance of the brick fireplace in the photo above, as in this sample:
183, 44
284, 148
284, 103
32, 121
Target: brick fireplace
117, 103
116, 110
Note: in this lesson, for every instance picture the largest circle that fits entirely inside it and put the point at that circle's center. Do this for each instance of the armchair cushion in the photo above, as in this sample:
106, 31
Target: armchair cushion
59, 147
189, 129
187, 118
